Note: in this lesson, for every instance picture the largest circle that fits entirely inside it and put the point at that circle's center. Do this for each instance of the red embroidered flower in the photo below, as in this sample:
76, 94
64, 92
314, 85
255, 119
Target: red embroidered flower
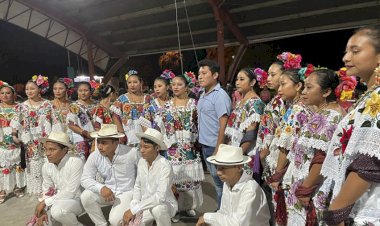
345, 138
6, 171
231, 119
32, 114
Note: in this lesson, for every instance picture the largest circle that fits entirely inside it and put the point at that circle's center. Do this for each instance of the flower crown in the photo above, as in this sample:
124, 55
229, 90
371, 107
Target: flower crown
69, 84
261, 77
290, 60
190, 78
42, 82
5, 84
345, 90
167, 75
130, 73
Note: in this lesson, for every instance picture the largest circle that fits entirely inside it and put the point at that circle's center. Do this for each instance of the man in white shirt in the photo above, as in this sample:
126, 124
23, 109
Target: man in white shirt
243, 201
153, 199
61, 183
116, 164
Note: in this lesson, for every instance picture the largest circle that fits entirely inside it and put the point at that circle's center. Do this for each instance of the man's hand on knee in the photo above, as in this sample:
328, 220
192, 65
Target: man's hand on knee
107, 194
128, 216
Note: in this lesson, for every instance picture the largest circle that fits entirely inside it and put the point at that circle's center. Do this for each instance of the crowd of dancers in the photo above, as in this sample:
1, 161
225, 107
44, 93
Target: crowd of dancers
308, 156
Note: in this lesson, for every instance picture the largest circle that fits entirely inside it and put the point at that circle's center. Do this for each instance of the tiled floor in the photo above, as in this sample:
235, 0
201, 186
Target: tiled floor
16, 212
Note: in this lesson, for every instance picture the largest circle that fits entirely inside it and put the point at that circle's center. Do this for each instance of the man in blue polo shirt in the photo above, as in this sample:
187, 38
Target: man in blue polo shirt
214, 106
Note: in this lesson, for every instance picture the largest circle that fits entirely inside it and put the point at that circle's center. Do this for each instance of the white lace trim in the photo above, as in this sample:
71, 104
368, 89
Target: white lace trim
188, 171
272, 158
313, 143
145, 122
9, 181
9, 157
364, 141
248, 122
285, 141
196, 199
116, 110
34, 176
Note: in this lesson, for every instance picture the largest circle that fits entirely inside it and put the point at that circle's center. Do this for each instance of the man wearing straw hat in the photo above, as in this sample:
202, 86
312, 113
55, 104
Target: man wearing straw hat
116, 164
153, 199
61, 183
243, 201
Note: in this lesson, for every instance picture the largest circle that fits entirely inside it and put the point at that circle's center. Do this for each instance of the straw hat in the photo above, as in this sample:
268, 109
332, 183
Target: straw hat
153, 135
107, 131
228, 155
57, 137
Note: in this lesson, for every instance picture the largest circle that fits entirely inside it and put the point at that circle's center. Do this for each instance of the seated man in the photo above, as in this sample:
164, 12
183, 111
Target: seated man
153, 199
61, 183
243, 201
116, 164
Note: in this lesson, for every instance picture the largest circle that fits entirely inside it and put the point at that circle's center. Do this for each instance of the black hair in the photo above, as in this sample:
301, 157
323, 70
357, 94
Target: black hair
214, 67
327, 78
138, 77
106, 90
293, 75
183, 79
147, 141
373, 32
31, 81
280, 64
166, 81
252, 76
84, 83
60, 80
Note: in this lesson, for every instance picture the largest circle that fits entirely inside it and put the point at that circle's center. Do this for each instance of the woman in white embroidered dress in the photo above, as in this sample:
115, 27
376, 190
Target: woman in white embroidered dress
287, 134
128, 108
353, 157
12, 176
242, 123
309, 152
33, 120
162, 95
179, 120
79, 119
62, 89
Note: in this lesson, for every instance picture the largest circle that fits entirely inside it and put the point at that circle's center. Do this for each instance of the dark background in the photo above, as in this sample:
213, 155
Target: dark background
23, 54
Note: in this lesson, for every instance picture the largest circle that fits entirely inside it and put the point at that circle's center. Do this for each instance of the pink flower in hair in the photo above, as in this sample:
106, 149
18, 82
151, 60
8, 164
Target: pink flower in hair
290, 60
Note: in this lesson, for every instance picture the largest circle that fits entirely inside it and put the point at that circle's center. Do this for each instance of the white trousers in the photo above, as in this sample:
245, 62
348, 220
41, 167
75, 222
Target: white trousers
65, 212
160, 214
93, 202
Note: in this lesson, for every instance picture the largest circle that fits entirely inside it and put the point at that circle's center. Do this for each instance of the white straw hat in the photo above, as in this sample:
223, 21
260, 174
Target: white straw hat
153, 135
57, 137
229, 156
107, 131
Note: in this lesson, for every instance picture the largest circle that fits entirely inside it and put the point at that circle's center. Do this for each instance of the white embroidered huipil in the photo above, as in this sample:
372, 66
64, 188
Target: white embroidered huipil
153, 186
119, 175
245, 204
64, 178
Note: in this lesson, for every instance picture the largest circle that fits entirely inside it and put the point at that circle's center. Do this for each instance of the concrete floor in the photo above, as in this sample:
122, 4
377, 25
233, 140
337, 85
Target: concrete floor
16, 212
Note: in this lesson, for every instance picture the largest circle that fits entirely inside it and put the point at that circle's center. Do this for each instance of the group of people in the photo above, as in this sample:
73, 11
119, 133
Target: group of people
304, 158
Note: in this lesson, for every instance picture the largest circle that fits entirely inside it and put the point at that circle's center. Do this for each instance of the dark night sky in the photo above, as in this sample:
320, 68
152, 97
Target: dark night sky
24, 53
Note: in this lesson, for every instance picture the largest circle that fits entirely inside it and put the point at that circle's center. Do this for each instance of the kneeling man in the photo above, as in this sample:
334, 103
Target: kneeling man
243, 201
153, 199
116, 164
61, 183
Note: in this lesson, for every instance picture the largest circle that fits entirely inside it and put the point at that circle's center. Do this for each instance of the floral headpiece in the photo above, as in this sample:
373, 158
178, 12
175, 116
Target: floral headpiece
190, 78
261, 77
95, 88
290, 60
5, 84
69, 84
42, 82
130, 73
167, 75
345, 90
